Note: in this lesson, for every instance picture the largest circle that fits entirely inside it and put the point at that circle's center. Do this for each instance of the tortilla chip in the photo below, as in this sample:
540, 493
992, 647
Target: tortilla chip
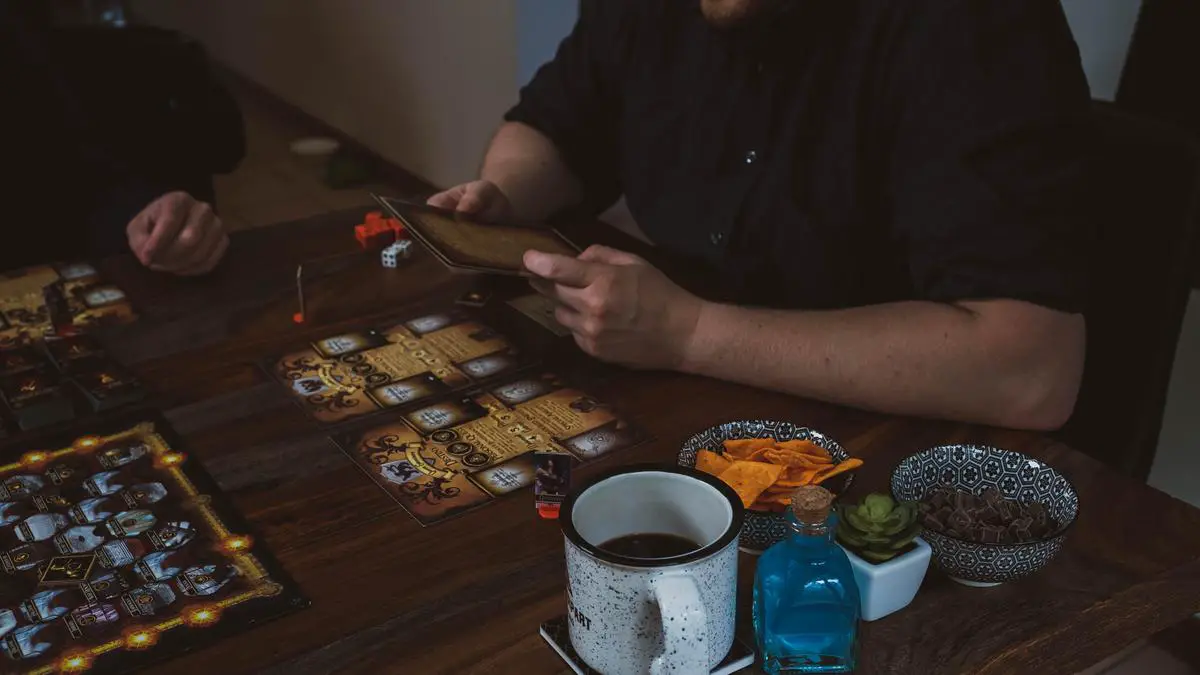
744, 448
750, 479
815, 452
712, 463
796, 477
848, 465
791, 458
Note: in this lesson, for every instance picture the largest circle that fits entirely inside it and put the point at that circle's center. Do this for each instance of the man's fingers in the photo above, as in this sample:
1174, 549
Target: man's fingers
196, 239
447, 199
212, 259
609, 256
564, 295
561, 269
168, 219
569, 319
199, 259
138, 233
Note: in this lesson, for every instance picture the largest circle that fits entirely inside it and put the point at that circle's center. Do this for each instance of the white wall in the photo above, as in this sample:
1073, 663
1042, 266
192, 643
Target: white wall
1103, 29
422, 82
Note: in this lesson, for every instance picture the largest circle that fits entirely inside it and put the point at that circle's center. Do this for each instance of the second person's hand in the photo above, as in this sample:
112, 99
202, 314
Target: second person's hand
480, 198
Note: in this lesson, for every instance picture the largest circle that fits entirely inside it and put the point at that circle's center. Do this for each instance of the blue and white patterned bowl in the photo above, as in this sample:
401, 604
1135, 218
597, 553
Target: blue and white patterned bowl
975, 468
763, 529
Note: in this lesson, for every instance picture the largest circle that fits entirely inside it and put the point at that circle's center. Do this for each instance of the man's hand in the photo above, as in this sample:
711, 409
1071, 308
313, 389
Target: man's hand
178, 234
481, 198
618, 307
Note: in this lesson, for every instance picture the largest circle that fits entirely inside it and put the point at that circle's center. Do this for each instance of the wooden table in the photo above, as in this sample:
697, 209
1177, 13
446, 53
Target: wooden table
468, 595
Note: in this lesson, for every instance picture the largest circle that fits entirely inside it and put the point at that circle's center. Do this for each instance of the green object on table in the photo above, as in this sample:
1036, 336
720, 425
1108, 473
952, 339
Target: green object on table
347, 171
878, 529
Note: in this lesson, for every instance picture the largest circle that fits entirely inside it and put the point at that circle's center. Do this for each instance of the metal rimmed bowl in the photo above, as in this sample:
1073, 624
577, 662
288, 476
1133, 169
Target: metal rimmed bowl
975, 468
763, 529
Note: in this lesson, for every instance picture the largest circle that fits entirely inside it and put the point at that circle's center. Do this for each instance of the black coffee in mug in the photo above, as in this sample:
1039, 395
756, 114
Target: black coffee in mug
650, 545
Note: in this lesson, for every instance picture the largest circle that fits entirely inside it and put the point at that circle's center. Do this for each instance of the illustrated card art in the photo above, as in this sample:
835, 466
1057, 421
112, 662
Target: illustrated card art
460, 452
418, 359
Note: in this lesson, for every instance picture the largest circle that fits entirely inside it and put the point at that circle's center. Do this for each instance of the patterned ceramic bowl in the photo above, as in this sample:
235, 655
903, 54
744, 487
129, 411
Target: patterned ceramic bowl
763, 529
976, 468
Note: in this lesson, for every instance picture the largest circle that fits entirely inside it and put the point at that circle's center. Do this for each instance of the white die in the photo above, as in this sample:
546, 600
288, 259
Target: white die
388, 257
404, 248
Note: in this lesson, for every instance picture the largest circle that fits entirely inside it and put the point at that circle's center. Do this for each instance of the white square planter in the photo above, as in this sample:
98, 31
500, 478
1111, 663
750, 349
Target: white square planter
891, 586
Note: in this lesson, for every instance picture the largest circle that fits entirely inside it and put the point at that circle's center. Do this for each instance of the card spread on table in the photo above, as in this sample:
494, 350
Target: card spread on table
398, 366
452, 455
461, 241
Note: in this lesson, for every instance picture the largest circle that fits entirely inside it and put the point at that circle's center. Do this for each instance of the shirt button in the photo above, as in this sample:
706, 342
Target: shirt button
751, 157
716, 238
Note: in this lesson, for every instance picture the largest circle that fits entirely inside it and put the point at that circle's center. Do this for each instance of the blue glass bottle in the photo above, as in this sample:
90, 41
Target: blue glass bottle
806, 605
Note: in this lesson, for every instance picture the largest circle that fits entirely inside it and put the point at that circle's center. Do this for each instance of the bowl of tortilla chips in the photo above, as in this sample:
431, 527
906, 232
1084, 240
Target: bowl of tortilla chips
764, 461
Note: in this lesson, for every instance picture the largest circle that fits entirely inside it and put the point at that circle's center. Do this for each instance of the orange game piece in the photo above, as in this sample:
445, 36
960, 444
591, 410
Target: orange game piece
298, 317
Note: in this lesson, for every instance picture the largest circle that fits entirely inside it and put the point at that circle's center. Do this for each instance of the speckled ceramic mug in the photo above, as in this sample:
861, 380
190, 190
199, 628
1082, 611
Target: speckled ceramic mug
630, 616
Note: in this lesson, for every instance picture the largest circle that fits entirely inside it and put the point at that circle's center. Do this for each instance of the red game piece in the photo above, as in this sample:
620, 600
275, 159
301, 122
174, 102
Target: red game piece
298, 317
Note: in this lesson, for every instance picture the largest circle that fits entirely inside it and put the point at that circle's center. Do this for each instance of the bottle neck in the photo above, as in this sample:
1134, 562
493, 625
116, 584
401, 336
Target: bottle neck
813, 534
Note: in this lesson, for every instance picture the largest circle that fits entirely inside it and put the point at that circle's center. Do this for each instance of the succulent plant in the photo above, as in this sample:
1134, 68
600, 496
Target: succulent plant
878, 529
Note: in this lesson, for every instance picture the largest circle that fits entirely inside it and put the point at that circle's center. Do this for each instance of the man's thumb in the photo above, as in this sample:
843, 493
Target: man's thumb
609, 256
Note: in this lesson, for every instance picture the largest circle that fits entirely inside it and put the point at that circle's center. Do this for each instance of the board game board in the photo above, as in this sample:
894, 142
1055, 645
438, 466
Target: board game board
449, 456
355, 374
118, 550
44, 300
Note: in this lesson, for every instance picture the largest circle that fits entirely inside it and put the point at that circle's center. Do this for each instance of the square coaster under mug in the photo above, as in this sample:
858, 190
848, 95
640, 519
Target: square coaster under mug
554, 632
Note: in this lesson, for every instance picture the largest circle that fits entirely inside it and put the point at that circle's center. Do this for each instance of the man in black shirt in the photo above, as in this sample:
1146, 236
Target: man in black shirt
889, 190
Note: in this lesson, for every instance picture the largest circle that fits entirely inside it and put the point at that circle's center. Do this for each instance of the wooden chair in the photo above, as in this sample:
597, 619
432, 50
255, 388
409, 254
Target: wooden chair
1148, 199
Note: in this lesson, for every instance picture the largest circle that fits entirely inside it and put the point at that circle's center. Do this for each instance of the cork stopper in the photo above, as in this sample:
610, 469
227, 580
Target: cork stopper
811, 504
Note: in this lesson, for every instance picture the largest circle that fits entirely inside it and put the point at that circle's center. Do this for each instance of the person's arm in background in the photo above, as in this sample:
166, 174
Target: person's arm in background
557, 147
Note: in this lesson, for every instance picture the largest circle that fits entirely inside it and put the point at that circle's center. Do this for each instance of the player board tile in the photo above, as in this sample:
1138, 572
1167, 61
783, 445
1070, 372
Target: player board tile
117, 550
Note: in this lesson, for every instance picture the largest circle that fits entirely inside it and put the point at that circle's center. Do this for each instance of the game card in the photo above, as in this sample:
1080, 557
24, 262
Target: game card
454, 454
540, 309
412, 361
462, 241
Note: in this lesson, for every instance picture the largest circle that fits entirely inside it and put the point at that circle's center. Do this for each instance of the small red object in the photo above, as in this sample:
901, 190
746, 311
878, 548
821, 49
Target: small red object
374, 235
298, 317
548, 511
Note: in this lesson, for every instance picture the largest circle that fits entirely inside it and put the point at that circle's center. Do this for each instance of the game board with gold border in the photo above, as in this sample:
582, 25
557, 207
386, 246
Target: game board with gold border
118, 550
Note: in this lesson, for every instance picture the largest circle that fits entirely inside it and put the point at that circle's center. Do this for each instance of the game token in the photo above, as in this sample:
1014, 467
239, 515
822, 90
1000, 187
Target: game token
552, 481
474, 298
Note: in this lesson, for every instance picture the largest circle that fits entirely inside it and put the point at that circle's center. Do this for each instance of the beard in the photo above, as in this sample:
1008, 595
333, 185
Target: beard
730, 13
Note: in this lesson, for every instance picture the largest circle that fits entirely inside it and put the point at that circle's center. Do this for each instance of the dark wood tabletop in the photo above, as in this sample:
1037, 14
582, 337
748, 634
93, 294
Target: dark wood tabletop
468, 595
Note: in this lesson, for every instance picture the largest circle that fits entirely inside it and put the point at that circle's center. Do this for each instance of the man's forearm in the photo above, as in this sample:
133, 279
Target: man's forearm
528, 169
1015, 367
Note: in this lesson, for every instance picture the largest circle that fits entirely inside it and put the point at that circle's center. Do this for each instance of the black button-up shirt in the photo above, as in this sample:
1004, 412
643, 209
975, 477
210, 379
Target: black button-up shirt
835, 153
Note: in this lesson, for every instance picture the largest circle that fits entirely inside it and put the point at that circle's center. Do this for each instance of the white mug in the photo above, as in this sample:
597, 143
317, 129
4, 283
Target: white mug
652, 615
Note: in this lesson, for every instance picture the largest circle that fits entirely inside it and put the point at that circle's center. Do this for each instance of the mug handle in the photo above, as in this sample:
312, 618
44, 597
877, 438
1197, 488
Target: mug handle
685, 639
